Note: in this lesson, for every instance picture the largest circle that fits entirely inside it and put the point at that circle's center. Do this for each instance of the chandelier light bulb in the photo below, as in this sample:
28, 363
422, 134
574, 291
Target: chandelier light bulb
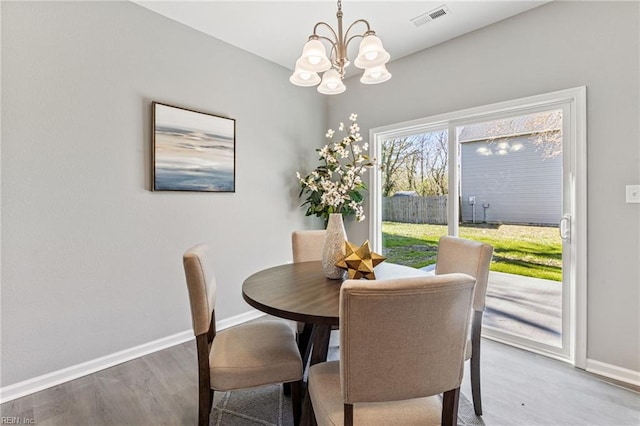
331, 83
303, 77
375, 75
371, 53
314, 57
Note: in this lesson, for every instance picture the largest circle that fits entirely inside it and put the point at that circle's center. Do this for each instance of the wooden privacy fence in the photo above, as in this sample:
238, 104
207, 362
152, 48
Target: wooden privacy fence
415, 209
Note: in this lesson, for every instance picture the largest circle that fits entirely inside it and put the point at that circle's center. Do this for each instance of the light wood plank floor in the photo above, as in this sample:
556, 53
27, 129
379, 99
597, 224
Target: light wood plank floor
519, 388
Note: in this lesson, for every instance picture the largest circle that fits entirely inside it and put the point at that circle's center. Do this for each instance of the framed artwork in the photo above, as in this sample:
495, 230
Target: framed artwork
192, 151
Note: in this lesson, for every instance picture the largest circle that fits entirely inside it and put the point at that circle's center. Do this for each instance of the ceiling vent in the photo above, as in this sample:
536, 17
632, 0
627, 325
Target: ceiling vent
436, 13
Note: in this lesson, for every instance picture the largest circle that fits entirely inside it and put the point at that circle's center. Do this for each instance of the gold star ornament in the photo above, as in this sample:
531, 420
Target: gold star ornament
360, 261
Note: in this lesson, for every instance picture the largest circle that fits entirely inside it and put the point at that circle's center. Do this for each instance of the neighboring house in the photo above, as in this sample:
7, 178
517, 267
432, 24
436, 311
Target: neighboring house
511, 171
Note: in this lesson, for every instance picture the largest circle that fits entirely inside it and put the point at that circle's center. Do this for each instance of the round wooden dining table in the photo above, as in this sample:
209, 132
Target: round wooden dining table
301, 292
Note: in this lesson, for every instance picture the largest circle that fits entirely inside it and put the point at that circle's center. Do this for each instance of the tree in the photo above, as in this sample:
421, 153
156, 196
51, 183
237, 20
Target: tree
416, 163
434, 167
394, 154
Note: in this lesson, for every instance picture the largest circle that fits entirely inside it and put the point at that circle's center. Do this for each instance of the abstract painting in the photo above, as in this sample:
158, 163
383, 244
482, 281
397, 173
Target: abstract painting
192, 151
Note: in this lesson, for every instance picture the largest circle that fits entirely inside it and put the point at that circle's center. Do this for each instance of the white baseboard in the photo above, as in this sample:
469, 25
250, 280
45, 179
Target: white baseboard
613, 372
36, 384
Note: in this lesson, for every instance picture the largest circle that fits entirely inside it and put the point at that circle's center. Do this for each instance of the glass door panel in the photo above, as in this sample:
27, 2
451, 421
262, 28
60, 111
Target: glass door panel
511, 196
414, 189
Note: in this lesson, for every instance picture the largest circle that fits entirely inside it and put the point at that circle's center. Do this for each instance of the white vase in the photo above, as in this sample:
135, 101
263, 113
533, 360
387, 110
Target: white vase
333, 249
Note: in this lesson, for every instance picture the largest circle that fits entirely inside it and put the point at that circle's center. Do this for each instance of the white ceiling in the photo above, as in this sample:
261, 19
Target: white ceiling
277, 30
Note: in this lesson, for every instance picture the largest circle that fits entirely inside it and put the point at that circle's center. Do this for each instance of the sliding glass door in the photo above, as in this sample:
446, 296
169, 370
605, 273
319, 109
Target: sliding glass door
515, 179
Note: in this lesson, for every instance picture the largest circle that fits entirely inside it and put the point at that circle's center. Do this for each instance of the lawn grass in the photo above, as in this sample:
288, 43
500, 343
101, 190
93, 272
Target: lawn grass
532, 251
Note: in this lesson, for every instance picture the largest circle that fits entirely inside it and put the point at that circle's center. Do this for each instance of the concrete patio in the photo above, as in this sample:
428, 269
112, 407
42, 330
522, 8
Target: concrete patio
525, 306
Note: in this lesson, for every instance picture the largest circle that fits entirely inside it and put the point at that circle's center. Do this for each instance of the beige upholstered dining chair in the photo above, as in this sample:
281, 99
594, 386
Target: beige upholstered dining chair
402, 343
244, 356
306, 247
472, 258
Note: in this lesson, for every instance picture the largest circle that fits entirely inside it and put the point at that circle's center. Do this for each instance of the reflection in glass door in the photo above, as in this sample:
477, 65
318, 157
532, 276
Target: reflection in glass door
511, 196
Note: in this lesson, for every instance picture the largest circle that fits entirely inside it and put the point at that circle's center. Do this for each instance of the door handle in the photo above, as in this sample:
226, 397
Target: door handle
565, 228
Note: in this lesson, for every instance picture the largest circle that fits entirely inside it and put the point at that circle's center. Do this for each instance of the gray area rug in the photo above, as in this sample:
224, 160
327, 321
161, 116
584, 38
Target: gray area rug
267, 405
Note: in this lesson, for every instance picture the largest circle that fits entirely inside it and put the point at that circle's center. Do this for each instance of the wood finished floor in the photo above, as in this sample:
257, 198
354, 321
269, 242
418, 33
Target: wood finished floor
519, 388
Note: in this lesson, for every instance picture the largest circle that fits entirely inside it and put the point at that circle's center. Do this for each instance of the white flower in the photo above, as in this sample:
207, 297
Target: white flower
324, 151
333, 183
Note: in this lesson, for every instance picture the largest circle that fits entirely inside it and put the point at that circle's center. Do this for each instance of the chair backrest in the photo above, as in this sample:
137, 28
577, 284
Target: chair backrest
403, 338
467, 257
201, 283
307, 245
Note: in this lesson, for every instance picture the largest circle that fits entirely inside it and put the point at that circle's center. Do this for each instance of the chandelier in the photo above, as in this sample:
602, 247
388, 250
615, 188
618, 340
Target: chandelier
371, 57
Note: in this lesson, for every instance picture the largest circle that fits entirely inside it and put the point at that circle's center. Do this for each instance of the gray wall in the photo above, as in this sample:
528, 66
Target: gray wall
556, 46
520, 187
91, 259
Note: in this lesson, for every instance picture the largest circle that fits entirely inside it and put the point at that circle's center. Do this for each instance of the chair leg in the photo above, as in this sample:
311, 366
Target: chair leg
475, 384
204, 406
348, 414
296, 401
205, 393
304, 343
476, 328
308, 416
450, 401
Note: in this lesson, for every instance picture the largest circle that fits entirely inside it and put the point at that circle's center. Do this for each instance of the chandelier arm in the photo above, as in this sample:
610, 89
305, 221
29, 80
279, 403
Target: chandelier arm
357, 22
315, 32
333, 54
352, 37
333, 43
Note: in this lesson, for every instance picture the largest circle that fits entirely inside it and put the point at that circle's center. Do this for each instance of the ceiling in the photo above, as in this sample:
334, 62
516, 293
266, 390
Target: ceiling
277, 30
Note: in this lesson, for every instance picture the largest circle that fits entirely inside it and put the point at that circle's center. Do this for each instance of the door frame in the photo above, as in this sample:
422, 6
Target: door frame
575, 131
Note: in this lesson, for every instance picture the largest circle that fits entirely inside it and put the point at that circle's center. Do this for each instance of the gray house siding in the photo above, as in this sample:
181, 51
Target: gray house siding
520, 186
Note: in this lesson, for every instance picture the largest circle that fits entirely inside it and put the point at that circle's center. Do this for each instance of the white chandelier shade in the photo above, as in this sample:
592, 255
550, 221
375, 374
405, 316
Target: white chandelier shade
371, 53
314, 59
304, 78
375, 75
331, 83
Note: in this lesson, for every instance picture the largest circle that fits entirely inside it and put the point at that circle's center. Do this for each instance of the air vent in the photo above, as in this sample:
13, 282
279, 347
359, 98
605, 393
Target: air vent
436, 13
